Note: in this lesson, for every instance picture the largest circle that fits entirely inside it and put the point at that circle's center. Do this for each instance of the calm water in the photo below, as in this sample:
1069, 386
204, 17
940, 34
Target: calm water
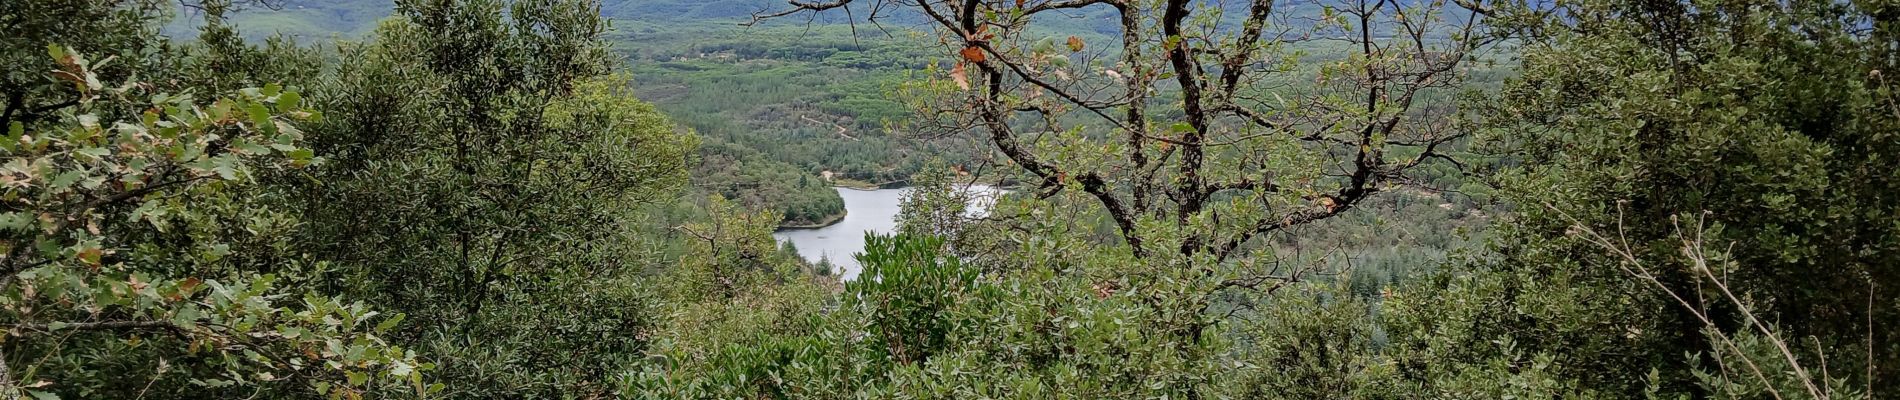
865, 211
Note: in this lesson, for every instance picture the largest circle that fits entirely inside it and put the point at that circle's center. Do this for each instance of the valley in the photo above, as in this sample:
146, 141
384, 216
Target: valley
949, 199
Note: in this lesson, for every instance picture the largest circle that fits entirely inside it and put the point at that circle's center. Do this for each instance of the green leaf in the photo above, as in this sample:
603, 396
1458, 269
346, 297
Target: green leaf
389, 323
186, 316
301, 156
66, 179
220, 109
260, 116
252, 148
15, 221
289, 101
39, 395
94, 152
225, 170
15, 131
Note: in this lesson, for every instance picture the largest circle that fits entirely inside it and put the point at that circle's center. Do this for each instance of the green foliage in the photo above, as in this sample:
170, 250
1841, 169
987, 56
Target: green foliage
904, 293
741, 318
935, 205
731, 251
1757, 129
116, 229
120, 29
921, 323
745, 175
1313, 343
1451, 335
488, 169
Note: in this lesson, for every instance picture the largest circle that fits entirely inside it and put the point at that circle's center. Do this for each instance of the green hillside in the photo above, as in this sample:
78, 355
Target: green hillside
770, 100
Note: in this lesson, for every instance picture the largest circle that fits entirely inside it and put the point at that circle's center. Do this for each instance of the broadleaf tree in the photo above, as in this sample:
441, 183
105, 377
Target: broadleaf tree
488, 169
122, 211
1194, 129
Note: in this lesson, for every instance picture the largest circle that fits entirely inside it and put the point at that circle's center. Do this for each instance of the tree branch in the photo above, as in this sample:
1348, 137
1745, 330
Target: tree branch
797, 7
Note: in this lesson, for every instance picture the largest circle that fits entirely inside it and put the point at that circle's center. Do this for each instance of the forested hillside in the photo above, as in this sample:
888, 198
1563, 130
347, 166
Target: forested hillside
780, 107
1211, 199
778, 104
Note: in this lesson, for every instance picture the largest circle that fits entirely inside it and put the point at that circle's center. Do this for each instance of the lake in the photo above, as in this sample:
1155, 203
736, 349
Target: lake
865, 211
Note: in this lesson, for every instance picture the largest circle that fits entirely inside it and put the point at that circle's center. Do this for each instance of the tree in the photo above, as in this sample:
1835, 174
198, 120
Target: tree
487, 171
1760, 132
1193, 133
119, 237
118, 28
1195, 113
935, 204
743, 317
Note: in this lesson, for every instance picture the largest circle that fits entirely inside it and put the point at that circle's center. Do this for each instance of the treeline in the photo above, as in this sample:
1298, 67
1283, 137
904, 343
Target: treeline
744, 175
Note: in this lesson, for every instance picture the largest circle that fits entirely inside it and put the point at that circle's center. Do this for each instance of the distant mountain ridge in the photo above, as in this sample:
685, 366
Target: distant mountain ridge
354, 18
320, 19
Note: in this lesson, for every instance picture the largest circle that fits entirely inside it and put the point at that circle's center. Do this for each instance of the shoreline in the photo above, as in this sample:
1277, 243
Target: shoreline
846, 183
863, 186
828, 221
835, 219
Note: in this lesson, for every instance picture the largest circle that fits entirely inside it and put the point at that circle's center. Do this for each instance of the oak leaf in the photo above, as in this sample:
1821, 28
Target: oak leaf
974, 54
957, 74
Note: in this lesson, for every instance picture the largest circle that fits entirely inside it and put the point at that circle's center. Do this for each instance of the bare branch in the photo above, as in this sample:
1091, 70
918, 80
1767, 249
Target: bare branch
797, 7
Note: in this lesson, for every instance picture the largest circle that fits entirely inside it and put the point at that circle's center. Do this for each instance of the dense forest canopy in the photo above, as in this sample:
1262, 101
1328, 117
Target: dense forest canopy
1212, 199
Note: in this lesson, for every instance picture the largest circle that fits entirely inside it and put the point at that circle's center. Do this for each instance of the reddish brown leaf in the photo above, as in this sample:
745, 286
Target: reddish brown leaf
974, 54
1075, 44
